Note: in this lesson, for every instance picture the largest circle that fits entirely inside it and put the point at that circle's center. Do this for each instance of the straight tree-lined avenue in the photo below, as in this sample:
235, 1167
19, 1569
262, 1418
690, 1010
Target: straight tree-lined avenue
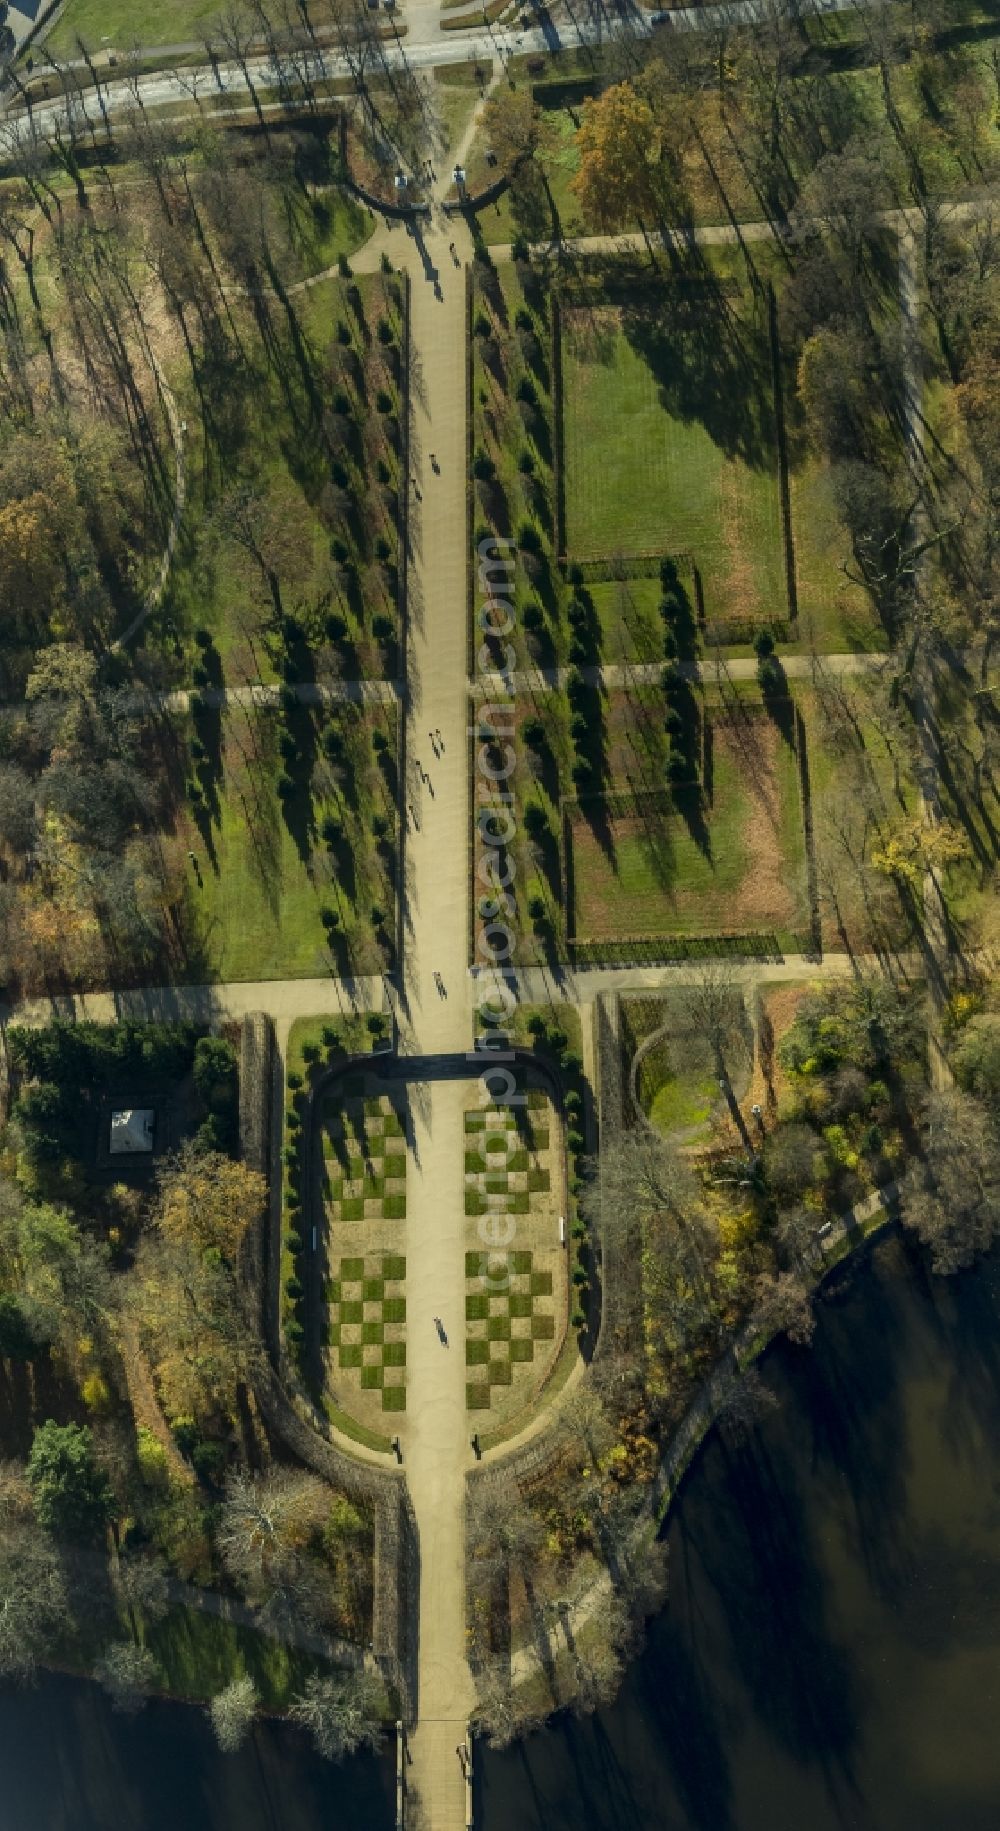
727, 785
434, 1020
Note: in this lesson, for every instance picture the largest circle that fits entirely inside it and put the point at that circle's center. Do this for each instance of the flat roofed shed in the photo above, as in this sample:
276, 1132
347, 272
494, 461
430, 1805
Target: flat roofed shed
131, 1131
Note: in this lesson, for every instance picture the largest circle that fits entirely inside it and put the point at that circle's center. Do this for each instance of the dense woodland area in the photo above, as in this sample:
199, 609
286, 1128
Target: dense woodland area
139, 1485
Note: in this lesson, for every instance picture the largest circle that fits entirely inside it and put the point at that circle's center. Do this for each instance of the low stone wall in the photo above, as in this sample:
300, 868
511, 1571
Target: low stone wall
256, 1075
380, 1490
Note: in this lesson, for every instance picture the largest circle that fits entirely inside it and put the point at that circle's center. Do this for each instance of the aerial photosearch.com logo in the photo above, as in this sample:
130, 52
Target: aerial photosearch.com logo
493, 734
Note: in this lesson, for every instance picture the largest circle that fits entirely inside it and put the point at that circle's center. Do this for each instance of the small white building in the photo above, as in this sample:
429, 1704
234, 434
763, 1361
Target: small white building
132, 1131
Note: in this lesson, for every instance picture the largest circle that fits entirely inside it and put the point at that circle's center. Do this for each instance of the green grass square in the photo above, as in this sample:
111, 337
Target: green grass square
538, 1182
352, 1270
394, 1309
543, 1328
498, 1328
393, 1126
520, 1261
350, 1354
394, 1207
374, 1188
519, 1303
356, 1169
372, 1333
477, 1306
522, 1348
332, 1336
501, 1373
373, 1290
474, 1263
477, 1398
394, 1398
539, 1137
519, 1202
475, 1202
352, 1311
541, 1284
475, 1163
331, 1290
393, 1267
518, 1160
371, 1379
394, 1354
496, 1185
477, 1353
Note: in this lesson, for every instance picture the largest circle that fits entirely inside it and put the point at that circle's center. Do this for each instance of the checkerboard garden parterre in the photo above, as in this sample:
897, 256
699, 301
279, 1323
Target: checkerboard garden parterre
364, 1193
512, 1298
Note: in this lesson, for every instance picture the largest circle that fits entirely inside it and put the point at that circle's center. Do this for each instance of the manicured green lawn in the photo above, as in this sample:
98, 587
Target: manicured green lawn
631, 627
833, 610
682, 1102
670, 451
263, 878
271, 450
258, 915
199, 1653
734, 866
123, 23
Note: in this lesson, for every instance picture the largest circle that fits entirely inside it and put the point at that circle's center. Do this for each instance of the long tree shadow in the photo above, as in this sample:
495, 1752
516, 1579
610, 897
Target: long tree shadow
710, 364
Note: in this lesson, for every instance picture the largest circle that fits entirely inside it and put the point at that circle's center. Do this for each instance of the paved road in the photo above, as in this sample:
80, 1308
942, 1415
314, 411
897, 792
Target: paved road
426, 46
649, 673
282, 999
437, 1021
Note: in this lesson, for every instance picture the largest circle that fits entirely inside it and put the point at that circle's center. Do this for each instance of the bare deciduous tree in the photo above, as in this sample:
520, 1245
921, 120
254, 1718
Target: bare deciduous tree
715, 1007
341, 1714
783, 1305
232, 1711
128, 1673
33, 1598
952, 1198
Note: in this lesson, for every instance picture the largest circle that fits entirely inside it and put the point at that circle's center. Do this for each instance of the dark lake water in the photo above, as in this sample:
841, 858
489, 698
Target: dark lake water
829, 1659
68, 1763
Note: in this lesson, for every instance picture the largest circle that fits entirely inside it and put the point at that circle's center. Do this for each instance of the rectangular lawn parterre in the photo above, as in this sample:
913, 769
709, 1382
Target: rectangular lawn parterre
262, 877
668, 452
682, 864
124, 23
300, 524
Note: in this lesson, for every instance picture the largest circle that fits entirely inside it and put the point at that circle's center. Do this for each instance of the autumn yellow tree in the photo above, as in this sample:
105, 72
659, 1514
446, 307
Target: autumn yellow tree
514, 127
917, 846
209, 1201
624, 159
194, 1299
29, 563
